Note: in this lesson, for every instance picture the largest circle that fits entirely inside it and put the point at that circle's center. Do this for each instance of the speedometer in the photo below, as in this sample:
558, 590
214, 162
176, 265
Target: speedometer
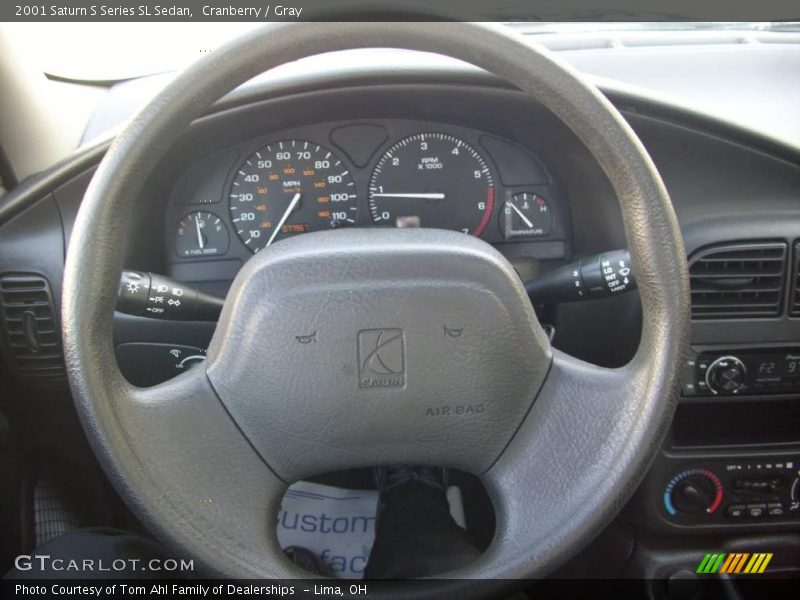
290, 187
432, 180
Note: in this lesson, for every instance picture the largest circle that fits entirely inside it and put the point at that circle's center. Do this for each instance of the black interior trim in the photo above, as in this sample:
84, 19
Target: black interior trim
7, 175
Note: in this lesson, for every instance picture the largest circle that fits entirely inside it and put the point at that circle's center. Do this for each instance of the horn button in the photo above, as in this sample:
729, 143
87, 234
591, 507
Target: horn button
357, 347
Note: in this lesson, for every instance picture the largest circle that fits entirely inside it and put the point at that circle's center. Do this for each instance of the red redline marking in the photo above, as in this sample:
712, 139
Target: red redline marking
487, 214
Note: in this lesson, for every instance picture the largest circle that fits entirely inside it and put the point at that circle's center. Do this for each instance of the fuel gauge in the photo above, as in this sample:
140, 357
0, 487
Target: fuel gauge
525, 215
201, 233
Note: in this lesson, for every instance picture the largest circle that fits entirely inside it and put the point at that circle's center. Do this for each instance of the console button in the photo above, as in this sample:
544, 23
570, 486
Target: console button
775, 509
736, 511
756, 511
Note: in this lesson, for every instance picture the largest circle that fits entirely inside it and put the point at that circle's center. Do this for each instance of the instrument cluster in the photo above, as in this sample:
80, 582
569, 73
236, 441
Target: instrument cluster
381, 173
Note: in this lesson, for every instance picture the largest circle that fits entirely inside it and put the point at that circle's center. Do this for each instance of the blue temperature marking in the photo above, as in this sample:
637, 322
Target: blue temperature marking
668, 504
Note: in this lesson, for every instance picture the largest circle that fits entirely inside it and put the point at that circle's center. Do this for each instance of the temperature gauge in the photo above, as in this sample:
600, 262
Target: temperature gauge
525, 215
201, 234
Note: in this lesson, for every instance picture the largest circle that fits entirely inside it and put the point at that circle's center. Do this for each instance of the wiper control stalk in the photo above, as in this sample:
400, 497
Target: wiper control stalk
601, 276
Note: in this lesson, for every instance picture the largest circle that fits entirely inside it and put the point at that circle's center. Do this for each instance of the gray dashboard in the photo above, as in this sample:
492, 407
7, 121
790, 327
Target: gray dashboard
747, 80
727, 184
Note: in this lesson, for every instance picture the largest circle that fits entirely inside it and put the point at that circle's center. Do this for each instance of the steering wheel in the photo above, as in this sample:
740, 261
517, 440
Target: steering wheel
205, 458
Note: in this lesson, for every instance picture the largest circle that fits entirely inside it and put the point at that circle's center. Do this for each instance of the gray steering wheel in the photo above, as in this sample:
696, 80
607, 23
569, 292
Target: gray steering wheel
205, 458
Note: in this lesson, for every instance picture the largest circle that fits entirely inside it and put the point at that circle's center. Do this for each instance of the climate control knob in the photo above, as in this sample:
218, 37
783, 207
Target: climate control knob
693, 491
726, 375
693, 494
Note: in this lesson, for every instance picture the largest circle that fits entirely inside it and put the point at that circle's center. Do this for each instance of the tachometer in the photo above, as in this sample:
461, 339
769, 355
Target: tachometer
432, 180
290, 187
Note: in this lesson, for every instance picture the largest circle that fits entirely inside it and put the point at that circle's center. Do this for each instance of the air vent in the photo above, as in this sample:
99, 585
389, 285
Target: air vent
794, 308
30, 325
745, 280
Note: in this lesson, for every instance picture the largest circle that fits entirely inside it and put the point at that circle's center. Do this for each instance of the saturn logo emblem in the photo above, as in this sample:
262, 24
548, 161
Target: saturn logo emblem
381, 358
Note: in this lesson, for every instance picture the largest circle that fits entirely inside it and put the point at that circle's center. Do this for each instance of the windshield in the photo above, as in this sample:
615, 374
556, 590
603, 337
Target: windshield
108, 52
593, 27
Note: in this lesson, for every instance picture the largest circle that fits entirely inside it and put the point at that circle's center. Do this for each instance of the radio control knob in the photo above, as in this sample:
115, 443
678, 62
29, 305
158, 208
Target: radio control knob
726, 375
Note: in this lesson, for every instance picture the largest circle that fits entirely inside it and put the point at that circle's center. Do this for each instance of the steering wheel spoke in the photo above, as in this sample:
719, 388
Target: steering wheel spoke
566, 460
201, 472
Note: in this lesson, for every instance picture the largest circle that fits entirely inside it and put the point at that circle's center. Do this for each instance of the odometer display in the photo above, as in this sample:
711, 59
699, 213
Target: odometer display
432, 180
288, 188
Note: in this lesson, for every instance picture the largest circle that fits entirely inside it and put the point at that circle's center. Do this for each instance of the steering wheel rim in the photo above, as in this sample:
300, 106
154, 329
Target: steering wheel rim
153, 442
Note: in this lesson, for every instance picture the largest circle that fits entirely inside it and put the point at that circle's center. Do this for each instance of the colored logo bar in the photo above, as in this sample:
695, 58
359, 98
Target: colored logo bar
735, 563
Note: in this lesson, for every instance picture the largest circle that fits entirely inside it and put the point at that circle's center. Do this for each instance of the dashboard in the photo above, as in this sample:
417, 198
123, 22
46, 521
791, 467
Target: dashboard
455, 149
377, 173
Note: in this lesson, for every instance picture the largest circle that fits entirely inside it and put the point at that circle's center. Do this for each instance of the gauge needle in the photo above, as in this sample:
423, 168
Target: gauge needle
289, 210
199, 235
428, 196
522, 216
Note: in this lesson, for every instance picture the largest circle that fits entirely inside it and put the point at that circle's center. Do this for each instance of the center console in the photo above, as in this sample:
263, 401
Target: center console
732, 459
706, 489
